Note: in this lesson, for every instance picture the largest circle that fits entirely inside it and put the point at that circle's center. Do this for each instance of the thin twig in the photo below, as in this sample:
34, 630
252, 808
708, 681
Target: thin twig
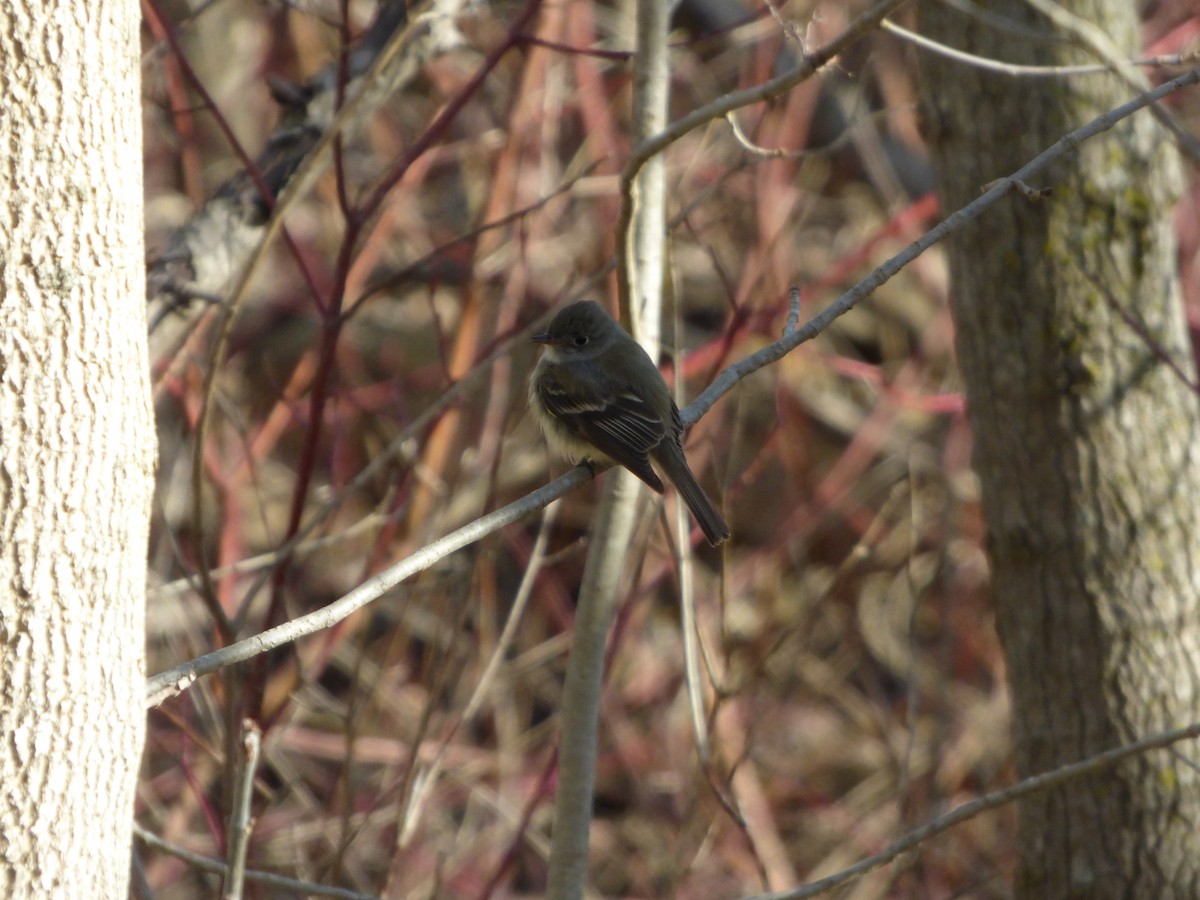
1033, 785
1018, 70
793, 316
1101, 45
240, 823
216, 867
1139, 327
270, 558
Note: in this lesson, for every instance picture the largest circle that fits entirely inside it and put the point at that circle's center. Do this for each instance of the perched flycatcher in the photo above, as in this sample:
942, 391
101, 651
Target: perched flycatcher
599, 396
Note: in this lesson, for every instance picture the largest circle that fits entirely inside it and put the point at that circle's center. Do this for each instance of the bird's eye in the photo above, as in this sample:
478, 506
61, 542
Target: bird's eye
580, 340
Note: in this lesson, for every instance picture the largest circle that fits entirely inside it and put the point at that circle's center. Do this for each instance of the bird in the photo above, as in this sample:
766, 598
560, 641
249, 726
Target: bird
599, 397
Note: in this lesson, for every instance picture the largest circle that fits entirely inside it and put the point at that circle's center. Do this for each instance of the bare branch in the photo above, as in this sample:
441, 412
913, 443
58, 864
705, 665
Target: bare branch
1102, 46
240, 821
174, 681
1017, 70
216, 867
1036, 784
780, 348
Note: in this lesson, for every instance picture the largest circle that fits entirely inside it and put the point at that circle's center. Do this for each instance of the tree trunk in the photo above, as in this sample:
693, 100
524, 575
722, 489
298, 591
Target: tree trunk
1086, 445
76, 451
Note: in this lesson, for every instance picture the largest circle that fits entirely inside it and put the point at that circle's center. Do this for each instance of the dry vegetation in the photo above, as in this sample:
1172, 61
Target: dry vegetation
856, 683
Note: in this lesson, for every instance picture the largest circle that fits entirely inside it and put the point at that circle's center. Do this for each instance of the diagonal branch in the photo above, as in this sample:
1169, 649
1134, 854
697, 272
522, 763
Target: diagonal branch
1033, 785
174, 681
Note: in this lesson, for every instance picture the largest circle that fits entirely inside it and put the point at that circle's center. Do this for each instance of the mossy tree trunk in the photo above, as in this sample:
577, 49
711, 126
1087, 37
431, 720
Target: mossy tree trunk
1087, 444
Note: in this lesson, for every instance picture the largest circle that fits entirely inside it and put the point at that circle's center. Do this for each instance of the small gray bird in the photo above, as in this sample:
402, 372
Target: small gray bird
599, 396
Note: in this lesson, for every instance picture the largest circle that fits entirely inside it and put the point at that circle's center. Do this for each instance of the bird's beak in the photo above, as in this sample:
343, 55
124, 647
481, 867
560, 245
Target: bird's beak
543, 338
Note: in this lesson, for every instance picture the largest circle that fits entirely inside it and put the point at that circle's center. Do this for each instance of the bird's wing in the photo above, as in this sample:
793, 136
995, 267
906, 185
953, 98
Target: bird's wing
620, 424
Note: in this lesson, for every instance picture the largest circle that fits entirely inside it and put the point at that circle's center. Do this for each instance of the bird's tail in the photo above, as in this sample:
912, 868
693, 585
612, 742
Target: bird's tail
673, 463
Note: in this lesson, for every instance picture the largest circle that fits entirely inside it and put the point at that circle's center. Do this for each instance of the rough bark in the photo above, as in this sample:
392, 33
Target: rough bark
76, 446
1086, 445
